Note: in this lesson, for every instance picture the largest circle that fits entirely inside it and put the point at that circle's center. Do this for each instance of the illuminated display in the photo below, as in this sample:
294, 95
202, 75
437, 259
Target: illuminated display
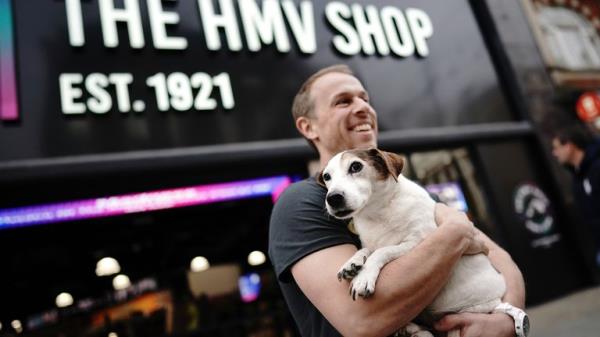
8, 93
142, 202
449, 193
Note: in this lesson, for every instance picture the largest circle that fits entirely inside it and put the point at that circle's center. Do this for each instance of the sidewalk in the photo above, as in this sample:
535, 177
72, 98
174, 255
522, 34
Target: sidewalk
576, 315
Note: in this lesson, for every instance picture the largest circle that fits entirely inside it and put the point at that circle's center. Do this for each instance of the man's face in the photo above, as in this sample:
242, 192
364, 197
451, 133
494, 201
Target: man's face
343, 118
562, 152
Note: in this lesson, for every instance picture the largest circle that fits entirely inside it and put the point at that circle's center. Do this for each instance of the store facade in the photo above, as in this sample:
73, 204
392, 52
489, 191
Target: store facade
158, 131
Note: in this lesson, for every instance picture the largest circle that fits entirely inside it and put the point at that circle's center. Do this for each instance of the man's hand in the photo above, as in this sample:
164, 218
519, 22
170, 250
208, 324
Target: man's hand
478, 325
446, 216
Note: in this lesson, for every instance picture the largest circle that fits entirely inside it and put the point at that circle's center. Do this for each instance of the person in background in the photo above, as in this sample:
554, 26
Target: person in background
577, 150
332, 111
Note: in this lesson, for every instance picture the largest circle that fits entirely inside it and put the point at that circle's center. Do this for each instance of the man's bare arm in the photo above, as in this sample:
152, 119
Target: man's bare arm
404, 288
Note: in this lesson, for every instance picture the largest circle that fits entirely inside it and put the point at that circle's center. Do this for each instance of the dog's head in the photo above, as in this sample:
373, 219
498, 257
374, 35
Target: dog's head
351, 177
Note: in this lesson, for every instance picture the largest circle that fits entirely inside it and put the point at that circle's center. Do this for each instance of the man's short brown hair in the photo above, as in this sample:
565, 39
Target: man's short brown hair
303, 104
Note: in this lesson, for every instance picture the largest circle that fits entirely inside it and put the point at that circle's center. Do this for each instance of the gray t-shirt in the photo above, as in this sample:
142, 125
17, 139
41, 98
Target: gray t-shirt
299, 226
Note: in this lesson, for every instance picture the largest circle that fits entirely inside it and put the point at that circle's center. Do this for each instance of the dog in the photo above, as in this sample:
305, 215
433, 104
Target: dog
391, 215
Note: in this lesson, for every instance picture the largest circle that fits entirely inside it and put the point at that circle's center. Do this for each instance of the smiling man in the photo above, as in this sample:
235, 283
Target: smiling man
307, 248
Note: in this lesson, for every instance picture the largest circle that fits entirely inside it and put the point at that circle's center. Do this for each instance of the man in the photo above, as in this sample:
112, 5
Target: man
574, 148
307, 247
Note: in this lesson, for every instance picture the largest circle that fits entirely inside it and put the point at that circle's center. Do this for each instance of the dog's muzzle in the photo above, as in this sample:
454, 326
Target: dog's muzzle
337, 205
336, 200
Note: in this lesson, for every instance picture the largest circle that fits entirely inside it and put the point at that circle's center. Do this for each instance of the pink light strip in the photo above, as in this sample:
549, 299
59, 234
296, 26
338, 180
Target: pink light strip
142, 202
8, 83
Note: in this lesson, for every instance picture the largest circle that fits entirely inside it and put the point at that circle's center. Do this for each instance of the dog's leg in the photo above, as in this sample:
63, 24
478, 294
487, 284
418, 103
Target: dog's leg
363, 284
413, 330
353, 265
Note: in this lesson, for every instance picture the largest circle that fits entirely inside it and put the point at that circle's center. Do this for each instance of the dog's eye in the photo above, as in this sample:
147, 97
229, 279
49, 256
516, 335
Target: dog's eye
355, 167
326, 177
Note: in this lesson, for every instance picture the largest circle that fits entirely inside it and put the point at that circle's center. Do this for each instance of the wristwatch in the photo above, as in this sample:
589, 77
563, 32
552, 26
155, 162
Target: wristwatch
519, 316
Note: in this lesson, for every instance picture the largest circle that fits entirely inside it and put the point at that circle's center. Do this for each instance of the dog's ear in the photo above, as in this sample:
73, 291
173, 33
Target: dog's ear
320, 180
386, 163
394, 163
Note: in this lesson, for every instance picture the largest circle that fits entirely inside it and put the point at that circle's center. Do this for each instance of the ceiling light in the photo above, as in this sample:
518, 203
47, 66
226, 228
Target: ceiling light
16, 324
121, 282
64, 300
256, 258
199, 263
107, 266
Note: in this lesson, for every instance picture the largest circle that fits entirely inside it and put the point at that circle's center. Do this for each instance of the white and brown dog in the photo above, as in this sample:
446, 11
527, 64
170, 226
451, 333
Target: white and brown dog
391, 215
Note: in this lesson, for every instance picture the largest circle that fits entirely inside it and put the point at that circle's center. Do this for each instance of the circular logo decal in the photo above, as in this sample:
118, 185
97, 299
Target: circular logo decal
533, 206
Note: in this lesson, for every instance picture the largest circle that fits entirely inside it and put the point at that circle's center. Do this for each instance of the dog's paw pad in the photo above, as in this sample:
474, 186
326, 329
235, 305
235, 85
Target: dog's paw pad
363, 286
349, 271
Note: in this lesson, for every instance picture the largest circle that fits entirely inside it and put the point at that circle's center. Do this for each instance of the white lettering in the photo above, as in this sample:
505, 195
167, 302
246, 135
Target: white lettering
100, 102
75, 23
212, 21
121, 82
265, 27
109, 15
394, 23
421, 28
348, 43
68, 94
158, 20
303, 27
370, 29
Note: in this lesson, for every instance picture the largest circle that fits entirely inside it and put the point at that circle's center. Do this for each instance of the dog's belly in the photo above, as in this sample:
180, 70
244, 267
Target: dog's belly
474, 286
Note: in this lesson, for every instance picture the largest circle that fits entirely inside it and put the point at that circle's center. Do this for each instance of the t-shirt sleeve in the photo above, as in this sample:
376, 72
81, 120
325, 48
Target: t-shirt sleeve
300, 225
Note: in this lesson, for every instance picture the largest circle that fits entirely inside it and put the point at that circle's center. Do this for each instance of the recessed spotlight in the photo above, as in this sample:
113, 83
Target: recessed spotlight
16, 324
107, 266
256, 258
121, 282
199, 263
64, 300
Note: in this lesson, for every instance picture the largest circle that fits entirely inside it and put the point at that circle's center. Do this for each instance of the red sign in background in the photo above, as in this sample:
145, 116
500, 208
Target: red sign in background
588, 106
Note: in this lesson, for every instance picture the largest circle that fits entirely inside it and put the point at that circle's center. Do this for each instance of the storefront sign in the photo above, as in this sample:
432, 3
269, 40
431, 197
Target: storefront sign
107, 76
533, 208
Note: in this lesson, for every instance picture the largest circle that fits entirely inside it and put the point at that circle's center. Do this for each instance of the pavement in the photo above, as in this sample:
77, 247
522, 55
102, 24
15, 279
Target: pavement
575, 315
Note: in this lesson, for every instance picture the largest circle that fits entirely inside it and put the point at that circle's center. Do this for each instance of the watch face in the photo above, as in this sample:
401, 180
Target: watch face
526, 325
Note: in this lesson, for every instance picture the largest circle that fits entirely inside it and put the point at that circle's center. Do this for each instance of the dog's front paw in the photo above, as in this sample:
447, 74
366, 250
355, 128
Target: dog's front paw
351, 268
363, 284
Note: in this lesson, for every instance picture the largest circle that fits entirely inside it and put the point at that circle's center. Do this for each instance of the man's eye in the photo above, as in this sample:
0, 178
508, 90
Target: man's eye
326, 177
355, 167
343, 101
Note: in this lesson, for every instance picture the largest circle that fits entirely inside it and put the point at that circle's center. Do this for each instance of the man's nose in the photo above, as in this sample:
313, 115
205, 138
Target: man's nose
361, 106
336, 200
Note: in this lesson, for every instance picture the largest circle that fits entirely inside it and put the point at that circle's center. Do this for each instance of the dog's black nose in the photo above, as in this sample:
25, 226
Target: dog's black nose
336, 200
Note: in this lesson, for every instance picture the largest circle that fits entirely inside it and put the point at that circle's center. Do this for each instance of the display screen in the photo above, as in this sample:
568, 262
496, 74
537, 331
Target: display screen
450, 194
249, 287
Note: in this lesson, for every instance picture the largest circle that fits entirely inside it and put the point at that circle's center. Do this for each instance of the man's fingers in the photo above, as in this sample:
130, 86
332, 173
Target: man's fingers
450, 322
477, 246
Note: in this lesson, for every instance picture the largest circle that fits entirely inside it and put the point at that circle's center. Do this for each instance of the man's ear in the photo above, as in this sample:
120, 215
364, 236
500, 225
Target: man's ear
305, 126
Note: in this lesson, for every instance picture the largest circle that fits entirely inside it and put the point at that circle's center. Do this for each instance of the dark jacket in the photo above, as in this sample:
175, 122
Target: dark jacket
586, 187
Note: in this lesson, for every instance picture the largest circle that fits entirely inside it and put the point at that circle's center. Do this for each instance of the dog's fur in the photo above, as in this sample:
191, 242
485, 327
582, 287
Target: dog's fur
392, 215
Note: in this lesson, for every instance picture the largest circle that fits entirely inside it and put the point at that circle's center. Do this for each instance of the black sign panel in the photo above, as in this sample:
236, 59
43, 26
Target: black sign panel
105, 76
